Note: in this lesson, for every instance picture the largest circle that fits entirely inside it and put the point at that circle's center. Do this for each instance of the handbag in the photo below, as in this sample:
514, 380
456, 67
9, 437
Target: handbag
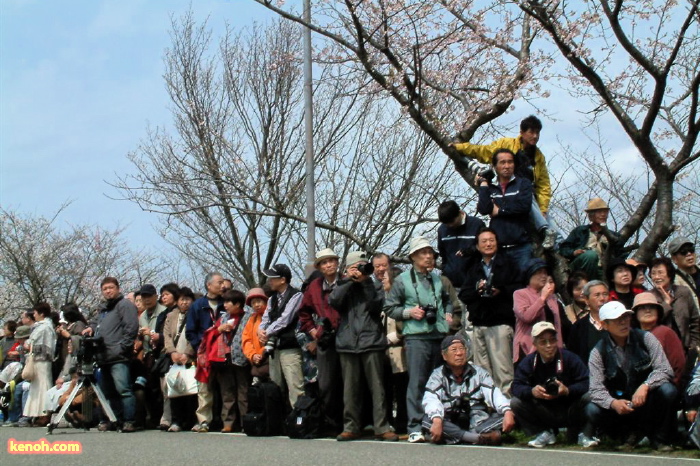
29, 371
180, 381
161, 365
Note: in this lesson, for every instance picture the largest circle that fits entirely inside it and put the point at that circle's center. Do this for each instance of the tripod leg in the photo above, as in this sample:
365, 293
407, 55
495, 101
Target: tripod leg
66, 405
105, 404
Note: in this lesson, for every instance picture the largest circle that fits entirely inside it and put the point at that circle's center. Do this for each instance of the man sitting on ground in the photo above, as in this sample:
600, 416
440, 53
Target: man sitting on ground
548, 388
457, 398
630, 386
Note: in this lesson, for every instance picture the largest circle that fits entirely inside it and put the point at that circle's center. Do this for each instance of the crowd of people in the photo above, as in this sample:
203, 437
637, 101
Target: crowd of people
468, 340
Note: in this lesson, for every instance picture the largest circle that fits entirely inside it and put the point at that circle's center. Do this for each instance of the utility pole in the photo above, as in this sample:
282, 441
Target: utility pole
308, 120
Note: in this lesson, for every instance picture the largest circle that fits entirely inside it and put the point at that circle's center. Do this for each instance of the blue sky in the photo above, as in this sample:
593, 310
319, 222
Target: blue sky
79, 83
81, 80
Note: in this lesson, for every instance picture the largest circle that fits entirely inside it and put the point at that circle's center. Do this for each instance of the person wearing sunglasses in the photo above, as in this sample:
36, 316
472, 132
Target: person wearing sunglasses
682, 252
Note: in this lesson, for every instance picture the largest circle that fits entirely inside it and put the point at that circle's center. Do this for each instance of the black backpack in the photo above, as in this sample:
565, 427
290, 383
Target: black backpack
304, 422
265, 415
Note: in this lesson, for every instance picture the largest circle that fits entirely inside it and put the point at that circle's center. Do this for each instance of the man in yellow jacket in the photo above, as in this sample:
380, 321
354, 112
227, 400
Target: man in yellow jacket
530, 164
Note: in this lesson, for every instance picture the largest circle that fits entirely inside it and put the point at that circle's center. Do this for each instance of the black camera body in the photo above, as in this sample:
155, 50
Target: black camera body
89, 348
551, 386
366, 268
431, 313
481, 169
461, 415
487, 291
328, 335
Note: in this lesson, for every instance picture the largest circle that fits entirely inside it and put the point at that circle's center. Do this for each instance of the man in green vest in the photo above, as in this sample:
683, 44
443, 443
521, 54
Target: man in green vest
419, 300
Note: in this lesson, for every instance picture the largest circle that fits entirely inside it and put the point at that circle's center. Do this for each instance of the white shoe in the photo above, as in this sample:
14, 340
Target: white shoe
416, 437
544, 438
587, 442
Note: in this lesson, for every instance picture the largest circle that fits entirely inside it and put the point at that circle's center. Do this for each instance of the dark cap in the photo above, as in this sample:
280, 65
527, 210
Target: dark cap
449, 340
148, 290
615, 263
534, 265
278, 271
677, 243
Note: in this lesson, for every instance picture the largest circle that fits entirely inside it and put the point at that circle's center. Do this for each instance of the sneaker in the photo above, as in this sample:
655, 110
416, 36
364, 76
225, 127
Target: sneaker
387, 437
347, 436
587, 442
195, 428
10, 424
416, 437
24, 422
550, 239
492, 438
545, 438
203, 428
174, 428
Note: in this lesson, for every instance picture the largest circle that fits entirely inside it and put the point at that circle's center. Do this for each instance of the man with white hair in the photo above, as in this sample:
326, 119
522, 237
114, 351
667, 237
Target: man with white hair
419, 300
631, 385
458, 397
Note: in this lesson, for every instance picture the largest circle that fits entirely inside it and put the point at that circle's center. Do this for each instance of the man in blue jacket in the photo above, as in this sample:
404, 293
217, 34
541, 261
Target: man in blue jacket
507, 200
548, 388
456, 241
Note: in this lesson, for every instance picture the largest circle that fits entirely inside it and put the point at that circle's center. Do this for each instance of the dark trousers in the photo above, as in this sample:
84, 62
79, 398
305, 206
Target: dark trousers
116, 386
330, 386
535, 415
372, 364
655, 419
422, 357
395, 387
183, 410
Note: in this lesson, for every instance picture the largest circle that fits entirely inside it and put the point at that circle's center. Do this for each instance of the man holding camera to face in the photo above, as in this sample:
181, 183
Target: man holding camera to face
488, 294
419, 300
360, 342
548, 388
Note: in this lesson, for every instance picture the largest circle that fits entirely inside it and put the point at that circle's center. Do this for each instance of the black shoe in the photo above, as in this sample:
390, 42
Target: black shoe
129, 427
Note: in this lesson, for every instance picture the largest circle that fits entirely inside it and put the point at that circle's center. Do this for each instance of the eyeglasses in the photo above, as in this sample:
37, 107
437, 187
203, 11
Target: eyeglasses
685, 250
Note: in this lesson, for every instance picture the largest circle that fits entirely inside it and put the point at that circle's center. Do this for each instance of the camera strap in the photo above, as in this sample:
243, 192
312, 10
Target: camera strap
559, 364
432, 286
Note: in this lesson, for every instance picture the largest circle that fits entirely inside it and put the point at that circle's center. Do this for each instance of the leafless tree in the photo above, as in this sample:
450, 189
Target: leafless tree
41, 260
229, 179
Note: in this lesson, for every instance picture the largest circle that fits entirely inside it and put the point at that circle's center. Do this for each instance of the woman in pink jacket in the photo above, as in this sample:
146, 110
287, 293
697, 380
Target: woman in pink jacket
534, 303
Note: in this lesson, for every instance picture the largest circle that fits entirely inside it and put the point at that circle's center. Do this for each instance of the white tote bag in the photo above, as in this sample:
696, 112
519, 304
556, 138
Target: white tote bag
181, 381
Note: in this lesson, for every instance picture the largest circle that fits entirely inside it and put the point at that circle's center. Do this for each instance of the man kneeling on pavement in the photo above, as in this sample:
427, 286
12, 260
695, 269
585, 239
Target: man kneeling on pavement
459, 397
549, 388
630, 386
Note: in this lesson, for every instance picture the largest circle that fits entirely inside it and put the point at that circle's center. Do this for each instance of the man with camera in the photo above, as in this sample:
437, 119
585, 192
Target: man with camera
548, 388
419, 300
507, 201
458, 397
277, 331
319, 320
115, 328
488, 295
360, 342
529, 164
631, 383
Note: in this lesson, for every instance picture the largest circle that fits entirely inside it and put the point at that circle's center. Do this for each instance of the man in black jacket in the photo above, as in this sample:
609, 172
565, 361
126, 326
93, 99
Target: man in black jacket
456, 240
548, 388
360, 342
508, 200
488, 294
117, 323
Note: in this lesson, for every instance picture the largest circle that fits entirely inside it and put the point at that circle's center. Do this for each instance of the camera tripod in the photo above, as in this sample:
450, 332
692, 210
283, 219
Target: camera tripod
85, 381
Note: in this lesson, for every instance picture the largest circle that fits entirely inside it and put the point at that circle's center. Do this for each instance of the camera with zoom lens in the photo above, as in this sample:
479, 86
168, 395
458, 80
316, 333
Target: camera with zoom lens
270, 346
483, 170
365, 268
551, 386
430, 313
461, 415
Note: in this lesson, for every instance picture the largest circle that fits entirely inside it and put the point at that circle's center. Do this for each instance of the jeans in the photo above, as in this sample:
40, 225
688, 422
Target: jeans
18, 401
422, 357
520, 255
116, 385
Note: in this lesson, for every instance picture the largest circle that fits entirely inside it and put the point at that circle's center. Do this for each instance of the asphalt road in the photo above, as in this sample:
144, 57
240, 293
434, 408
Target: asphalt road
159, 448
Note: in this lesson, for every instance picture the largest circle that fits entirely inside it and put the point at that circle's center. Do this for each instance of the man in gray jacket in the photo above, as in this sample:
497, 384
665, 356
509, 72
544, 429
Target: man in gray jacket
360, 342
116, 324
